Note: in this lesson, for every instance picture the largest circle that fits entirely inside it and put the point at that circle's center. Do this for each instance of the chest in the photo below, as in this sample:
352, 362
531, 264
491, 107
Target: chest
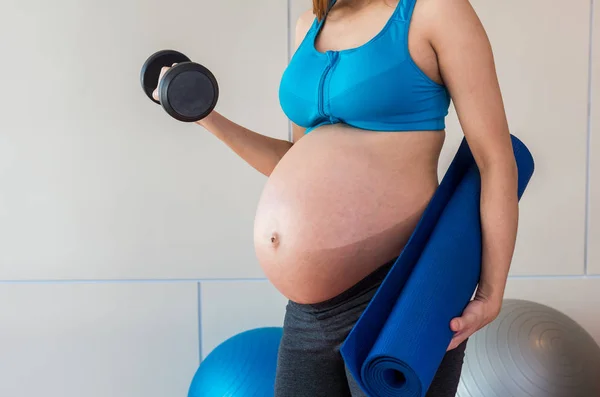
359, 83
352, 29
362, 74
345, 29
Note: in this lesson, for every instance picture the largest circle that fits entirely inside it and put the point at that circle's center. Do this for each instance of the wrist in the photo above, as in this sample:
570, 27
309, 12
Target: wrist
493, 304
493, 295
207, 121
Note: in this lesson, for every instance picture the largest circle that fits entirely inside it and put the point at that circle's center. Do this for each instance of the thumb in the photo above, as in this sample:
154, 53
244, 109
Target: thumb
456, 324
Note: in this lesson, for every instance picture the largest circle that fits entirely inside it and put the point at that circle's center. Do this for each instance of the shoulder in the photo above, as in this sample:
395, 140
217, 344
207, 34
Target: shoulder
439, 14
439, 7
444, 21
303, 24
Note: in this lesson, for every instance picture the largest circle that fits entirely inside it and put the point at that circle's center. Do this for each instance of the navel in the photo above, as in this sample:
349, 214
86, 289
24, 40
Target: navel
275, 240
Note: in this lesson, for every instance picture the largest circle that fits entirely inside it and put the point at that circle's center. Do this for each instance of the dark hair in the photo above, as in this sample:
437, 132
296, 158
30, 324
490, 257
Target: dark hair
320, 8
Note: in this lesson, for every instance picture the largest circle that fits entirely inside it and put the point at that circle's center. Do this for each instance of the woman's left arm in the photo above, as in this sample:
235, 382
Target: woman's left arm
467, 67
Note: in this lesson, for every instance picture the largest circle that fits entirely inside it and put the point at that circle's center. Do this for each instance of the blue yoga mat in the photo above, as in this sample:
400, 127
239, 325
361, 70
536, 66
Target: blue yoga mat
398, 343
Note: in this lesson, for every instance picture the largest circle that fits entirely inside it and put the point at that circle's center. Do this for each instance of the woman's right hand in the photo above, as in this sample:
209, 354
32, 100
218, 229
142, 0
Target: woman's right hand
164, 70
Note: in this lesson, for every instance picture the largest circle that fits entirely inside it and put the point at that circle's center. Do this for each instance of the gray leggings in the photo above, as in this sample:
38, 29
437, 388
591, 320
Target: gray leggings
310, 364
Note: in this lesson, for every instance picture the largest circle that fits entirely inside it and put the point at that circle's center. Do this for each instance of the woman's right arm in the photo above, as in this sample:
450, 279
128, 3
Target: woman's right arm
259, 151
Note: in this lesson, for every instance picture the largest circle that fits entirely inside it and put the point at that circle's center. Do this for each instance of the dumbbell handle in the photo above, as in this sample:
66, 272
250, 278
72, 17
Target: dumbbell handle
150, 73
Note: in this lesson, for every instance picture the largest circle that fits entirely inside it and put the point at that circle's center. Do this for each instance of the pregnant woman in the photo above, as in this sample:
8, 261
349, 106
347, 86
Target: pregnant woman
367, 91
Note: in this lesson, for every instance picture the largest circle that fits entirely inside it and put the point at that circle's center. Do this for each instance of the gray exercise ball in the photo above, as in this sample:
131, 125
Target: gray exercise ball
531, 350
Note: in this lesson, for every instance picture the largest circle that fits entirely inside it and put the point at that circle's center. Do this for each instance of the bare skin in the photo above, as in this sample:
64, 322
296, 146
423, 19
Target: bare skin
324, 224
341, 202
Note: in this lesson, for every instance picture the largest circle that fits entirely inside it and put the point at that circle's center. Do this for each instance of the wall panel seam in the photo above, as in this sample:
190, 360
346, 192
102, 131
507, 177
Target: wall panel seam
250, 280
586, 241
134, 281
199, 302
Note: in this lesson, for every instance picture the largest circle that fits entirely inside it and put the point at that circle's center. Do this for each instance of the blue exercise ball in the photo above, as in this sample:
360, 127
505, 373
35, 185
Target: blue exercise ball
242, 366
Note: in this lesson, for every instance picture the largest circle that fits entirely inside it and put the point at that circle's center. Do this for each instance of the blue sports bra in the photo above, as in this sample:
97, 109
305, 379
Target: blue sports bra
376, 86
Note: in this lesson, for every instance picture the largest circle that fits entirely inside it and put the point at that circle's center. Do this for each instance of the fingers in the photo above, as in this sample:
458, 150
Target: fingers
460, 324
466, 321
460, 336
163, 70
456, 341
463, 327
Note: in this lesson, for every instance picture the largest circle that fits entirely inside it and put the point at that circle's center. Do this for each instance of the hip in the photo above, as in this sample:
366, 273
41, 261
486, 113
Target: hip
310, 363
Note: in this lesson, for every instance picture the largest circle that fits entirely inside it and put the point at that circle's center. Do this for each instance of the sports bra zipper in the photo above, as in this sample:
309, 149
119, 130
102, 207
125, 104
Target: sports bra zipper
331, 58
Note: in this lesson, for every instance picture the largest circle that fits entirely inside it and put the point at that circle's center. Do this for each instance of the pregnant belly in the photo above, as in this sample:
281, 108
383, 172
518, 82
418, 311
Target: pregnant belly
340, 204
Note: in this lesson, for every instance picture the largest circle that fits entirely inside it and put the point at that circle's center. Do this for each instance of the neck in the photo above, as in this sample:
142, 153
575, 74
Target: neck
359, 4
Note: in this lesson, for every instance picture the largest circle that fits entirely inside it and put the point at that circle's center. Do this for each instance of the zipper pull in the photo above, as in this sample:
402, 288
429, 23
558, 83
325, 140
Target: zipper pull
332, 56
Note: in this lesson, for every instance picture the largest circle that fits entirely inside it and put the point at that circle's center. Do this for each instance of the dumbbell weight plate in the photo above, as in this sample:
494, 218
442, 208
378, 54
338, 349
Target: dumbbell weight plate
152, 67
188, 92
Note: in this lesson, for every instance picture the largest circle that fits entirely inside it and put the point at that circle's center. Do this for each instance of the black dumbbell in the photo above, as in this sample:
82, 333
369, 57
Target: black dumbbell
188, 91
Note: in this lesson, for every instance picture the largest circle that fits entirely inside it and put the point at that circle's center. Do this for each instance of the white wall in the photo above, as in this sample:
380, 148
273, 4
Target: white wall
126, 237
111, 212
97, 179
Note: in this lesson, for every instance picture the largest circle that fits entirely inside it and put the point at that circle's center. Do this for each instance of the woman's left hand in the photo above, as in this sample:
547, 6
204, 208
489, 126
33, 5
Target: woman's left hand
478, 313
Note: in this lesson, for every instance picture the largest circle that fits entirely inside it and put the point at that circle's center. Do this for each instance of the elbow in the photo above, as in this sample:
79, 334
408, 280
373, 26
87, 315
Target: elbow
496, 159
500, 169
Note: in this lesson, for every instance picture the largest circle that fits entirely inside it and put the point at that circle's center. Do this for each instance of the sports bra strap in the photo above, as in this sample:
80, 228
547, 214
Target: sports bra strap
405, 9
318, 24
329, 7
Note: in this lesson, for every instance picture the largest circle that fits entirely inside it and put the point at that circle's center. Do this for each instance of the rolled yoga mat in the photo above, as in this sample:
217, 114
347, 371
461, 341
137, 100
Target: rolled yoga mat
398, 343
